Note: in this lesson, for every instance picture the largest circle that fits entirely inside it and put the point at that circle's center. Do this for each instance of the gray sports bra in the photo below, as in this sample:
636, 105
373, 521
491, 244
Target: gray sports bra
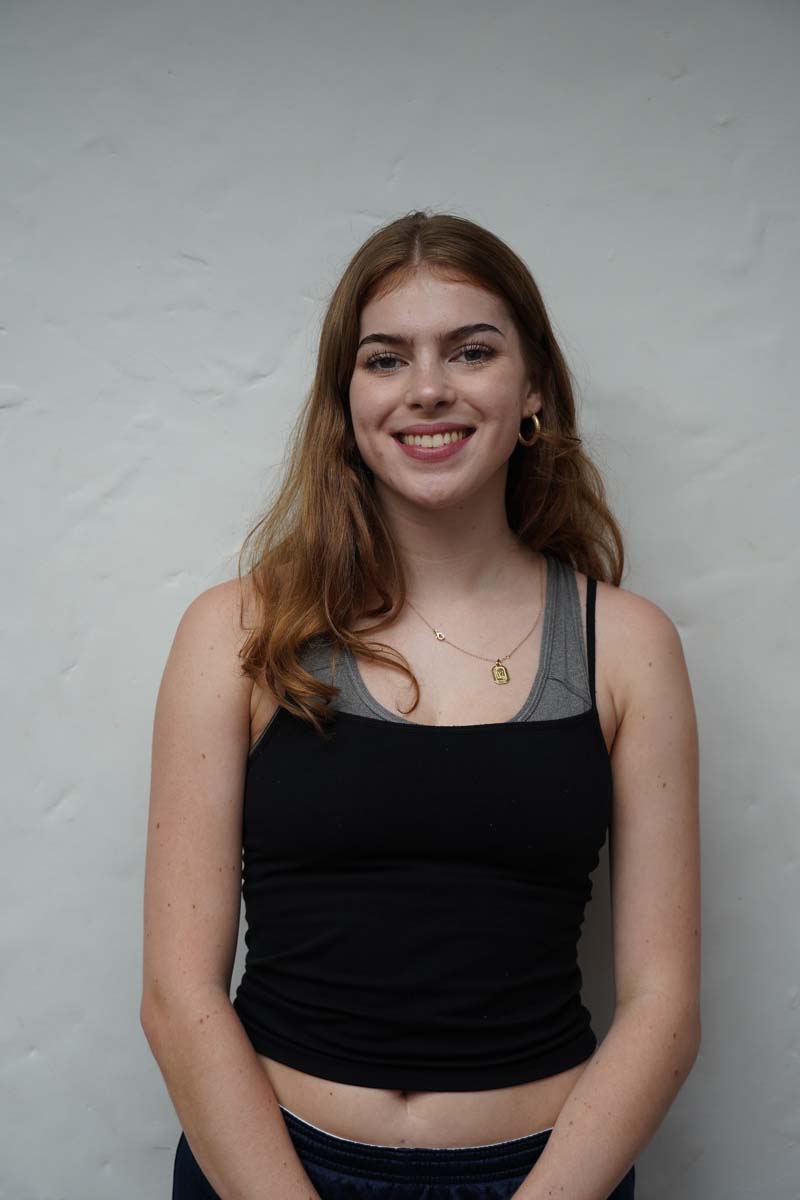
559, 689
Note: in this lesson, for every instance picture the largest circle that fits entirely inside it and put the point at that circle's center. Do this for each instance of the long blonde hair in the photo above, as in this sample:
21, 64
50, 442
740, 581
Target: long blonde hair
323, 549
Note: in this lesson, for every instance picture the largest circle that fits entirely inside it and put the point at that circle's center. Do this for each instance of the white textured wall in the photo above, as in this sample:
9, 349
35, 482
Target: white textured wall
182, 184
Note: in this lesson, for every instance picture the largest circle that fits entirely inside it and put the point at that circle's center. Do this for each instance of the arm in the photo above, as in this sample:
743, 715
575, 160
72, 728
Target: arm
223, 1098
631, 1080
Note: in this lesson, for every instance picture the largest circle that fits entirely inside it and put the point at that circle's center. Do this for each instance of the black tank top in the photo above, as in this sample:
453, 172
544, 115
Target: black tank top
414, 894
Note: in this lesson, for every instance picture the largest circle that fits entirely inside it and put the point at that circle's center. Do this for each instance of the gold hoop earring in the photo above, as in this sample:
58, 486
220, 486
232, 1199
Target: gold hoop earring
536, 436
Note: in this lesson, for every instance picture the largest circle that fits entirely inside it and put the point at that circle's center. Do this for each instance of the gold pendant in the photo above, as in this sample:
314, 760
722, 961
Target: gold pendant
499, 673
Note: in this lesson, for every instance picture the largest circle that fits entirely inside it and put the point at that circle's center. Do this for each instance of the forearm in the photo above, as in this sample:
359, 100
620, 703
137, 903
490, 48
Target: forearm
617, 1104
224, 1101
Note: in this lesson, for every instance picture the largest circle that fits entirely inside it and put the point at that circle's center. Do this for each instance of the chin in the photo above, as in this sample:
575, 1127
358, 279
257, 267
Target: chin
430, 501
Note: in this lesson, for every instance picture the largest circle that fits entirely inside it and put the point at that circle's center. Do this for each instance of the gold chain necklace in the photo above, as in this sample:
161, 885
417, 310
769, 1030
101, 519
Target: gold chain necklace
499, 672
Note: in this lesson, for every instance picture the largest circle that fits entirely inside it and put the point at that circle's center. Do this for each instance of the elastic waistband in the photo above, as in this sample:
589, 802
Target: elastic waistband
415, 1164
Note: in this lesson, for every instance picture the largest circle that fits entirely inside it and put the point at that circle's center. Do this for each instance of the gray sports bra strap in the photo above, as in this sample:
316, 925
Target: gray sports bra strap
591, 591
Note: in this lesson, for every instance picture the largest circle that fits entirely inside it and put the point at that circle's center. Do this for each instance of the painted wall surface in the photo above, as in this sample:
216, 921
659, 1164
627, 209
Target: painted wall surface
182, 185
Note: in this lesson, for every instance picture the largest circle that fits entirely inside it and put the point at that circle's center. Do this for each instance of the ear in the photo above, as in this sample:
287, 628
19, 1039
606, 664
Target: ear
533, 403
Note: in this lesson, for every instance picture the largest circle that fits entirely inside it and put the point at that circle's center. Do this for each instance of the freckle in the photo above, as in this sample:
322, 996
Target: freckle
158, 824
201, 754
194, 906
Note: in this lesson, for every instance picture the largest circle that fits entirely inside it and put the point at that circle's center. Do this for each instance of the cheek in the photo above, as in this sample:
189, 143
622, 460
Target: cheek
368, 434
363, 421
358, 415
369, 416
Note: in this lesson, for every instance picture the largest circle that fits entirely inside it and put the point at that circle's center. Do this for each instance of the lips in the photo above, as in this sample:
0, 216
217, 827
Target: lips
434, 454
433, 428
432, 432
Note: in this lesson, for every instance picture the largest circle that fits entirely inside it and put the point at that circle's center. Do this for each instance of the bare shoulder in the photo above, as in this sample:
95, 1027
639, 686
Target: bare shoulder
629, 628
204, 666
237, 602
232, 603
229, 610
203, 685
633, 635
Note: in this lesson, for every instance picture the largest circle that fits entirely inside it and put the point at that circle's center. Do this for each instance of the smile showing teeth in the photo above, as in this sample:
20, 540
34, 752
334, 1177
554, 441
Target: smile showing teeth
437, 439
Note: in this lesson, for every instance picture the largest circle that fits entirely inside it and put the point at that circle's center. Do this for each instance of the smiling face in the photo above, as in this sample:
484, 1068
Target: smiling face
419, 365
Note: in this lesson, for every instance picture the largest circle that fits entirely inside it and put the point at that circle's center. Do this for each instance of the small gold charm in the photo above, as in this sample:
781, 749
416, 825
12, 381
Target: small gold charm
439, 634
499, 673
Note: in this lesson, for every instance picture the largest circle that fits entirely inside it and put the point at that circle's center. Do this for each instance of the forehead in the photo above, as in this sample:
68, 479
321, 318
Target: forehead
427, 300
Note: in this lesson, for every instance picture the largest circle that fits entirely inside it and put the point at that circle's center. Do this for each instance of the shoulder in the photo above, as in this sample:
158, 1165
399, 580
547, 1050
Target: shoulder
231, 610
637, 641
212, 630
225, 608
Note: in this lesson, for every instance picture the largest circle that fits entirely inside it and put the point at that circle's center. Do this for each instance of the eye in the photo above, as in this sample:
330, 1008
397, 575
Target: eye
377, 362
483, 350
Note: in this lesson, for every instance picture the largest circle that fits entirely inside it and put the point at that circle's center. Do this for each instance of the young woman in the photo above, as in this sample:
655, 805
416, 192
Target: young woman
414, 818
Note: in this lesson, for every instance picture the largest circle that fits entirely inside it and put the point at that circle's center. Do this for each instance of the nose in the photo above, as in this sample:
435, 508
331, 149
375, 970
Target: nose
428, 385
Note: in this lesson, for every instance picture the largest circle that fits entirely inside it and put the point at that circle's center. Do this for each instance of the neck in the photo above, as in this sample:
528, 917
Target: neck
458, 556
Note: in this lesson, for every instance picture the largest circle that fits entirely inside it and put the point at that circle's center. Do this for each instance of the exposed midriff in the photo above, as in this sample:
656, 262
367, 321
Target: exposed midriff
430, 1119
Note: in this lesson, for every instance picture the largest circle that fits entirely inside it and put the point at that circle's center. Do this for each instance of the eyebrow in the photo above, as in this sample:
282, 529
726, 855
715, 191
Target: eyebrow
393, 339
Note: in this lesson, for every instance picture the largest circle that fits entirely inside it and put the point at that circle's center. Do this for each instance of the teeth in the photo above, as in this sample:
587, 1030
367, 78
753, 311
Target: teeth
437, 439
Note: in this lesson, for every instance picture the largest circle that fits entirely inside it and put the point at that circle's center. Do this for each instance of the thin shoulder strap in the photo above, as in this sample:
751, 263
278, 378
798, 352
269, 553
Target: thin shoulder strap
591, 591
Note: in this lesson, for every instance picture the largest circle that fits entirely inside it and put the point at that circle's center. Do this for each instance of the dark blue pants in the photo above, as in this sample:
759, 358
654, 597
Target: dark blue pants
343, 1170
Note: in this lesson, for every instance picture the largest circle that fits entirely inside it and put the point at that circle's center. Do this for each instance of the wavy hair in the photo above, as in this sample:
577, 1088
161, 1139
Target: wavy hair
323, 550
